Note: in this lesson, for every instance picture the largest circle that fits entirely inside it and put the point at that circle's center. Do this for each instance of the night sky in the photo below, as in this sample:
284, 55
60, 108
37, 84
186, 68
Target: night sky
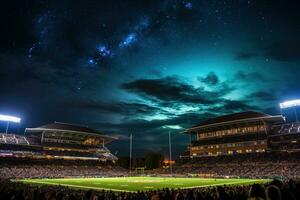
146, 67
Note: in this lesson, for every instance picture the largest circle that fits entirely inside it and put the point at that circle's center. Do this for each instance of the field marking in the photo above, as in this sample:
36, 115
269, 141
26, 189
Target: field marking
144, 181
149, 187
77, 186
217, 184
121, 190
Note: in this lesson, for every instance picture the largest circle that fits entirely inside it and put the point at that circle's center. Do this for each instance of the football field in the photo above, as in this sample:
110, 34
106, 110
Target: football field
132, 184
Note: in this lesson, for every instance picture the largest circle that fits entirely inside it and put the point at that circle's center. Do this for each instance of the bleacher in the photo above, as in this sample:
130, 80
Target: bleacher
292, 128
13, 139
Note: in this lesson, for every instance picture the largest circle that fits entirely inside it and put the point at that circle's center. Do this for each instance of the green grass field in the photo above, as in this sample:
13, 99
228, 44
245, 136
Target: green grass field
132, 184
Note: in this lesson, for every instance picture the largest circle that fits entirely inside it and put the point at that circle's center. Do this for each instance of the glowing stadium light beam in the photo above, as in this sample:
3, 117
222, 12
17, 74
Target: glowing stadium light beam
288, 104
9, 118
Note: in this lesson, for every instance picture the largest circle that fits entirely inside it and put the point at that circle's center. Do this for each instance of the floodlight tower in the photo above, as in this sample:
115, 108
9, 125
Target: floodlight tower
130, 154
291, 104
8, 119
170, 154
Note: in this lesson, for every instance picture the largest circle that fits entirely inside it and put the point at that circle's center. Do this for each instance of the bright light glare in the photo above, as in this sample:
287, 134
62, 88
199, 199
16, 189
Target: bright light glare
288, 104
172, 126
8, 118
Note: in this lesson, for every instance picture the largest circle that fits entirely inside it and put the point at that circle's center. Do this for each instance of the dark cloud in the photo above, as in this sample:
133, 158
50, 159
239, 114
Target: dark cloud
134, 110
262, 95
210, 79
172, 89
237, 106
226, 106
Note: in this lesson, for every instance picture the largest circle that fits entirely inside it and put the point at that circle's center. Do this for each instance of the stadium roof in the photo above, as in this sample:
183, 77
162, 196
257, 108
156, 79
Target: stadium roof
238, 117
66, 127
70, 127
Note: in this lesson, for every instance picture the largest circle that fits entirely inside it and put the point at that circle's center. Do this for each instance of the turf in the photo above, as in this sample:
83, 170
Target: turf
132, 184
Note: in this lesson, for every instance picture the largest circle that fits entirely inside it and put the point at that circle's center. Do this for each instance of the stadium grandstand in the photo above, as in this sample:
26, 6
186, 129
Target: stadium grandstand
62, 140
57, 141
57, 150
245, 132
248, 144
242, 133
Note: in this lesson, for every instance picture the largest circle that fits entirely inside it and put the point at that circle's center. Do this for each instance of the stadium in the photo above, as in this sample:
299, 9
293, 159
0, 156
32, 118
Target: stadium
228, 156
150, 100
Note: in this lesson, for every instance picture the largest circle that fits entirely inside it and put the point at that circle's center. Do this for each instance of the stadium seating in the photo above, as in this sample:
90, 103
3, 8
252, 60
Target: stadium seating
255, 165
292, 128
13, 139
56, 168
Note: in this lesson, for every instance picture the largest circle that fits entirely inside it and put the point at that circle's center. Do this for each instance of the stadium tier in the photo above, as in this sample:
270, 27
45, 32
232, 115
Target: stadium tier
57, 140
240, 133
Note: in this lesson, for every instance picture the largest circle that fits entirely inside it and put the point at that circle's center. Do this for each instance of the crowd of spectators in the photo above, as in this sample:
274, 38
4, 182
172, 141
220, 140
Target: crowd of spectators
58, 171
276, 190
13, 139
26, 168
256, 165
291, 128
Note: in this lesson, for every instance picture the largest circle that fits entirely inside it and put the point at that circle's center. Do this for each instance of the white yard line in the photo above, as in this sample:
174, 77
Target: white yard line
216, 184
77, 186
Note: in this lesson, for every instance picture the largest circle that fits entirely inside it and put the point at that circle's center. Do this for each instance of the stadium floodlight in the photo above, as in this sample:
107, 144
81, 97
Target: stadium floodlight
289, 104
8, 118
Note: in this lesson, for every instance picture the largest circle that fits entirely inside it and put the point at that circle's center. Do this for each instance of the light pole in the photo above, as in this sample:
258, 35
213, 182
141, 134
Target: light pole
170, 154
7, 126
130, 154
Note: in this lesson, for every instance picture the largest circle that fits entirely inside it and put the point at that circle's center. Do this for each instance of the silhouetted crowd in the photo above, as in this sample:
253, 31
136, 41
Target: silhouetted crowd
261, 165
11, 168
276, 190
59, 171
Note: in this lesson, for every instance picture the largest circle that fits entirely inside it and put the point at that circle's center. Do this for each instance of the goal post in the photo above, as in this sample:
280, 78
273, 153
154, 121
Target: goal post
139, 171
